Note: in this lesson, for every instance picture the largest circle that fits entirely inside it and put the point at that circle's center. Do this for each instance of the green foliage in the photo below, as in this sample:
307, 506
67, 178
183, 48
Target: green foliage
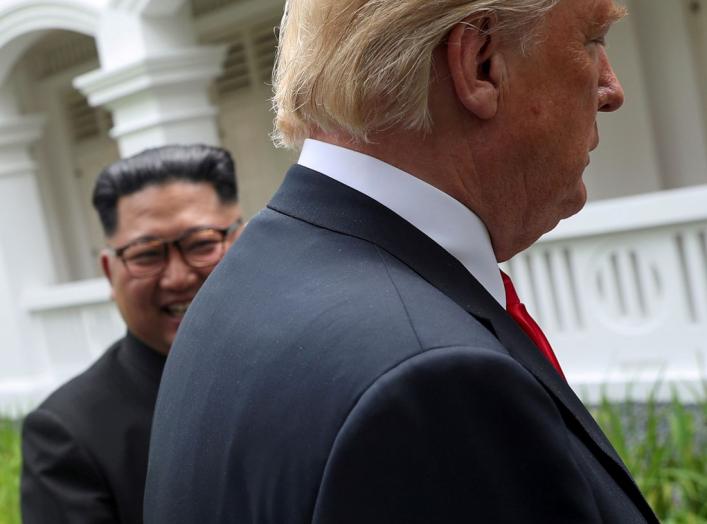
665, 448
9, 472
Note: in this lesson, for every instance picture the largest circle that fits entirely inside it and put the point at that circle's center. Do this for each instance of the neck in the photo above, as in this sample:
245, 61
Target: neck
430, 158
416, 153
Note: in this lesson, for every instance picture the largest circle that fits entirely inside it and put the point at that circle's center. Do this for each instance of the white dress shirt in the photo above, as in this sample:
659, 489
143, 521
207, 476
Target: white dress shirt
439, 216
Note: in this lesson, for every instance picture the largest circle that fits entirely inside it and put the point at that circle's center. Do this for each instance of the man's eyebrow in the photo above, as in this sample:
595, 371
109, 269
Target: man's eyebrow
606, 18
150, 238
138, 240
616, 13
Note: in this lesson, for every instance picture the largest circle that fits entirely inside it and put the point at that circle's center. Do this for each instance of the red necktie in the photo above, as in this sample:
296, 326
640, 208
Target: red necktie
517, 310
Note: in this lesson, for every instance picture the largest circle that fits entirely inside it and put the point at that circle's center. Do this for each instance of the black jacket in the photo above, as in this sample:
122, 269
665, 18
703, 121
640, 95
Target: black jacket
340, 367
85, 448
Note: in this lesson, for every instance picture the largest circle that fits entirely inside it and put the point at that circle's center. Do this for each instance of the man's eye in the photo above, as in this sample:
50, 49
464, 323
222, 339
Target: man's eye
201, 246
145, 257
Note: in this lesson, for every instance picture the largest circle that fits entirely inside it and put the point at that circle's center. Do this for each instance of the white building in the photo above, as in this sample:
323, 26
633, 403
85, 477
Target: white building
621, 289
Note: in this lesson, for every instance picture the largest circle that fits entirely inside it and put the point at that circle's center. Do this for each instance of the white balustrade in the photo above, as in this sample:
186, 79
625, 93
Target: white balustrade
621, 292
620, 289
72, 324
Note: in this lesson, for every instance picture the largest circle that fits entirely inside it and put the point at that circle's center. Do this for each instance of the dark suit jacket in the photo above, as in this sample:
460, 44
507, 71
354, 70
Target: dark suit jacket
85, 448
340, 367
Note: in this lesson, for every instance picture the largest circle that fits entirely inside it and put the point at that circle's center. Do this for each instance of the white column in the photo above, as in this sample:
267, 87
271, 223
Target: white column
697, 21
673, 91
154, 80
25, 254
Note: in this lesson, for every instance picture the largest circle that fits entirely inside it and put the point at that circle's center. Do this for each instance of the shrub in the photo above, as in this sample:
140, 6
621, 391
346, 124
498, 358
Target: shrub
663, 446
9, 472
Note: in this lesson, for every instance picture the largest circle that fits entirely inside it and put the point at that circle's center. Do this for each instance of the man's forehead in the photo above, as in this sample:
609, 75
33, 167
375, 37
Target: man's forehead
168, 197
165, 209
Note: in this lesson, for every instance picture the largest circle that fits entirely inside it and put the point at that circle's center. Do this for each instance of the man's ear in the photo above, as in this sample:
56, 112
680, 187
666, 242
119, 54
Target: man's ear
476, 65
104, 259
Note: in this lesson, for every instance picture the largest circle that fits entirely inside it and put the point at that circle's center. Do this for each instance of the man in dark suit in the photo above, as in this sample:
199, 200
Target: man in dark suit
360, 358
168, 214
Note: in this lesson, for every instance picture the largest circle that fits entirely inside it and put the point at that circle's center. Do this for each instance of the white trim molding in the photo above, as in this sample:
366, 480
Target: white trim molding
21, 130
651, 210
160, 99
149, 7
195, 65
27, 16
70, 295
22, 22
18, 133
172, 117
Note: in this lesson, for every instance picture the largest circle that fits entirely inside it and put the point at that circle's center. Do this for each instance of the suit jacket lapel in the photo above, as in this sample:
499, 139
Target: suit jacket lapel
320, 200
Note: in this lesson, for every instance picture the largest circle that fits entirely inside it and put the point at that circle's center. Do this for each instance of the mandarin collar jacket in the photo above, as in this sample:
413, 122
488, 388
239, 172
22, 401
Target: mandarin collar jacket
85, 447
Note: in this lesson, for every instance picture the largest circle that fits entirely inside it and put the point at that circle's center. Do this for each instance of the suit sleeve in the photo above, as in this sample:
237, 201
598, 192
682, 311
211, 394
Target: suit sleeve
454, 435
60, 482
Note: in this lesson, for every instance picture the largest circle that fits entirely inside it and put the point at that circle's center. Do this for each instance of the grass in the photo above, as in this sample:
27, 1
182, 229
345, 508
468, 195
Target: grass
665, 448
663, 445
9, 472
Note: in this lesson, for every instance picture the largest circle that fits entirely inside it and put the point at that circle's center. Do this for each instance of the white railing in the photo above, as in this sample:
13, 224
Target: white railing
72, 324
621, 291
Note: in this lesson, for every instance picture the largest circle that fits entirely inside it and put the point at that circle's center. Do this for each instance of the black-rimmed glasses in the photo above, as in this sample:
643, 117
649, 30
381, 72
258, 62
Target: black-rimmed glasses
199, 247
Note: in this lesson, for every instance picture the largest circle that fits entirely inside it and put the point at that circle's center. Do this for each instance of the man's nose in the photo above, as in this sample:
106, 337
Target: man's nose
611, 93
177, 274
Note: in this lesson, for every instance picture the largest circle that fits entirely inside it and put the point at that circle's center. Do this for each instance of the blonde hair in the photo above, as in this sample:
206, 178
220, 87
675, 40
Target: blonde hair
360, 66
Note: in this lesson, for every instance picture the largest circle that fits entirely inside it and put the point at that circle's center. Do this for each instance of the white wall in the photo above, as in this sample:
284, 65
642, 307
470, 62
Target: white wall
245, 122
626, 162
696, 16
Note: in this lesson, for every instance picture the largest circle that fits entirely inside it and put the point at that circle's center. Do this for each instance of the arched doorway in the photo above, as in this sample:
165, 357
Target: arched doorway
74, 147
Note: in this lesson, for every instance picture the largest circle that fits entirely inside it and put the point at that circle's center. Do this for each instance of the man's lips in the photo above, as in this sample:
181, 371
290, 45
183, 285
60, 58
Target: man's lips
176, 309
594, 145
595, 142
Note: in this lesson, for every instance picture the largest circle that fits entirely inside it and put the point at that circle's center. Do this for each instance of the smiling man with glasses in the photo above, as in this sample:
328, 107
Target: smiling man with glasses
169, 214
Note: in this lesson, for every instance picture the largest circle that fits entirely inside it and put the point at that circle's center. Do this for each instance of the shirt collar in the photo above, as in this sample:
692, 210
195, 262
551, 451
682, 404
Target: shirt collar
442, 218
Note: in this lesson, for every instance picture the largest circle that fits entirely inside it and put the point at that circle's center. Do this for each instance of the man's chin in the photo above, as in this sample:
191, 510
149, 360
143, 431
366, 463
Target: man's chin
169, 333
570, 208
165, 344
576, 203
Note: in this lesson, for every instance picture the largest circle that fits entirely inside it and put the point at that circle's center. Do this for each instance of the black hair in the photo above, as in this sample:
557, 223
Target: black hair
162, 165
